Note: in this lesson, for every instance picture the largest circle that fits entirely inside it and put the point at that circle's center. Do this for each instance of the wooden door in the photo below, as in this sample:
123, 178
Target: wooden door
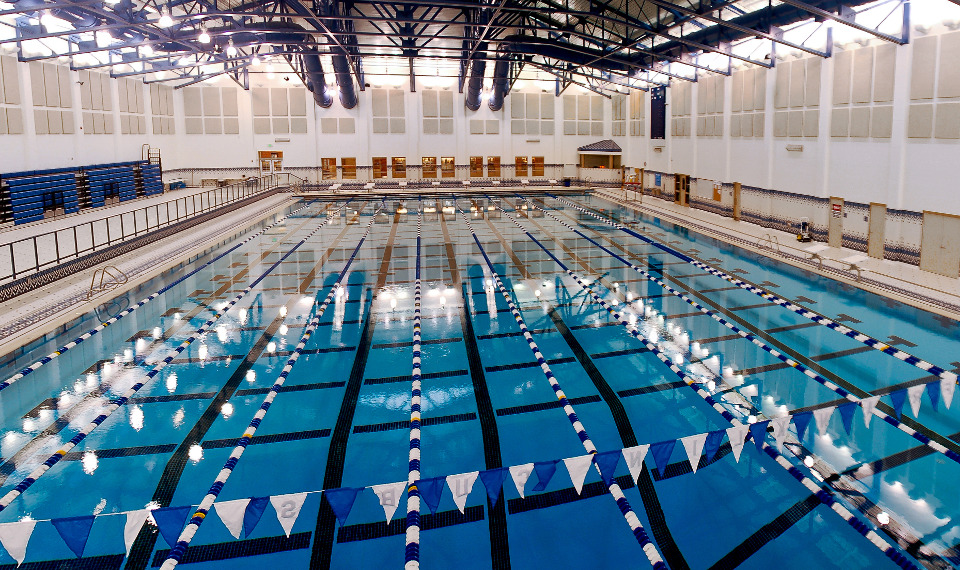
939, 248
877, 228
835, 222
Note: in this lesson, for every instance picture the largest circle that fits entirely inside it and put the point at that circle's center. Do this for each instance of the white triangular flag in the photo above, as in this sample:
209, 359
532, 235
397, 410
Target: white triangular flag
460, 486
15, 536
288, 509
231, 514
947, 387
822, 417
780, 426
131, 528
390, 495
520, 474
914, 393
868, 405
577, 467
737, 435
634, 457
694, 446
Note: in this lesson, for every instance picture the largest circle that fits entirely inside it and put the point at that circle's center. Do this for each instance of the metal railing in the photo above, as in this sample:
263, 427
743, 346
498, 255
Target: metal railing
36, 253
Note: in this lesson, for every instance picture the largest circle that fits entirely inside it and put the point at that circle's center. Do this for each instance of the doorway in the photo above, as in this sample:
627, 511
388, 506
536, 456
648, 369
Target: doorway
835, 224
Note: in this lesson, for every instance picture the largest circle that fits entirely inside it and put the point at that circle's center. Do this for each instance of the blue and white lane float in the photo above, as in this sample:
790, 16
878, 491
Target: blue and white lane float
412, 550
840, 391
55, 354
824, 494
649, 549
768, 296
186, 536
117, 403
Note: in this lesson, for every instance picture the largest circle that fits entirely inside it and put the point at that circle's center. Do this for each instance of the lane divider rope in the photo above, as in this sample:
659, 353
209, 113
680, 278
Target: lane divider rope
55, 354
649, 549
412, 550
825, 495
186, 536
117, 403
772, 298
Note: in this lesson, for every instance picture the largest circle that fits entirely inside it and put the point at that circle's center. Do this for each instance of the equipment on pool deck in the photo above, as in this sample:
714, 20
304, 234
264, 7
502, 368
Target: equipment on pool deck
804, 233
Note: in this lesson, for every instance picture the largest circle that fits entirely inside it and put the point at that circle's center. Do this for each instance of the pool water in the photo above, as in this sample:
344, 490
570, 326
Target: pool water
342, 418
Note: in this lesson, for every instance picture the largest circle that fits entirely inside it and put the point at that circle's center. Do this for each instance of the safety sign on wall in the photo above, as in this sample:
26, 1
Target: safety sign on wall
656, 180
837, 210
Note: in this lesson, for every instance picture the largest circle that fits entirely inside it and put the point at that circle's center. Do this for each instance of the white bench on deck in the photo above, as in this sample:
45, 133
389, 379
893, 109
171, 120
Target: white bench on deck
495, 182
402, 184
553, 182
465, 182
369, 186
435, 183
335, 187
524, 182
853, 263
814, 252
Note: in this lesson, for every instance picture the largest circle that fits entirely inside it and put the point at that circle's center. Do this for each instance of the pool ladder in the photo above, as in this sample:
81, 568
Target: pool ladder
769, 241
106, 278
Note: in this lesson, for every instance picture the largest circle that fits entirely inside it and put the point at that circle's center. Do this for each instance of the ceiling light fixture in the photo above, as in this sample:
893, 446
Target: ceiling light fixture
185, 60
165, 20
231, 50
204, 37
255, 61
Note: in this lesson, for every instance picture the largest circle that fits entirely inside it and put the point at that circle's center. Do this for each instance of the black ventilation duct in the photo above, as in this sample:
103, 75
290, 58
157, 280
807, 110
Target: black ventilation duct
501, 83
475, 83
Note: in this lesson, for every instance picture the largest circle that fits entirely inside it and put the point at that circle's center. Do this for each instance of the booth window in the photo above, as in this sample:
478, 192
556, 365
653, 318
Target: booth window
329, 167
429, 166
476, 166
493, 166
379, 167
399, 167
537, 169
521, 169
448, 167
348, 168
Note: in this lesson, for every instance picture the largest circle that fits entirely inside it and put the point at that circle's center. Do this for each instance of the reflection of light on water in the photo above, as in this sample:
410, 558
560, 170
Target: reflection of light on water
271, 347
157, 333
195, 453
203, 352
917, 514
178, 417
172, 382
91, 380
136, 418
90, 462
29, 424
243, 316
840, 457
222, 333
251, 376
284, 329
227, 409
127, 355
283, 311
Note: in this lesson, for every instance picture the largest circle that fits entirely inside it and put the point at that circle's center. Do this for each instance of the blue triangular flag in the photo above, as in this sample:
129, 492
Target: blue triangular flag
661, 453
759, 433
846, 414
170, 522
545, 471
712, 445
493, 480
252, 515
75, 531
431, 490
802, 420
607, 462
341, 501
933, 390
898, 397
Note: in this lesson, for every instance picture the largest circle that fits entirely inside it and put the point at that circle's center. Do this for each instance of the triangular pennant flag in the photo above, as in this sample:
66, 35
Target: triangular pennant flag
520, 474
947, 387
607, 462
288, 509
914, 394
15, 536
132, 526
634, 457
493, 480
170, 522
781, 426
868, 405
390, 495
737, 435
252, 515
661, 453
461, 485
822, 417
712, 444
933, 391
341, 501
758, 432
74, 531
577, 467
430, 491
693, 444
231, 514
846, 415
801, 421
898, 397
545, 471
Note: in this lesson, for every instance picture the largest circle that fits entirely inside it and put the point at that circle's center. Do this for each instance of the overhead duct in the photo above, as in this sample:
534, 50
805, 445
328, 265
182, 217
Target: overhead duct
501, 82
341, 61
315, 82
475, 83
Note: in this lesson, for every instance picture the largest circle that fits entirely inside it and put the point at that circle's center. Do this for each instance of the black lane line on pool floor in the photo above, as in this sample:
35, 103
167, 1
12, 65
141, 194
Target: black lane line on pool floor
497, 517
170, 479
323, 537
651, 502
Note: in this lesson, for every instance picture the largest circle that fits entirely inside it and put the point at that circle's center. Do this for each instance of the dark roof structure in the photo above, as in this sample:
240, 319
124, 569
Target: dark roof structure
606, 145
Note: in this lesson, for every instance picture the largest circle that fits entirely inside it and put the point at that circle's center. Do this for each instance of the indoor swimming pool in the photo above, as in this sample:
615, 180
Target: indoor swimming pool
561, 343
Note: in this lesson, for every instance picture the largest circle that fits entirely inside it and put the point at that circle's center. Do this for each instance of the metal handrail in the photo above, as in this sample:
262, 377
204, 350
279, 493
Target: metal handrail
35, 253
771, 241
116, 278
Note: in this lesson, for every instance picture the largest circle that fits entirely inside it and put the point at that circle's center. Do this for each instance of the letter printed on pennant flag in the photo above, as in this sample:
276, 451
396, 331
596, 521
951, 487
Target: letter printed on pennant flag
781, 427
947, 387
389, 495
231, 514
577, 467
520, 474
822, 417
737, 436
634, 457
131, 527
915, 394
461, 485
15, 536
868, 405
288, 509
694, 446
